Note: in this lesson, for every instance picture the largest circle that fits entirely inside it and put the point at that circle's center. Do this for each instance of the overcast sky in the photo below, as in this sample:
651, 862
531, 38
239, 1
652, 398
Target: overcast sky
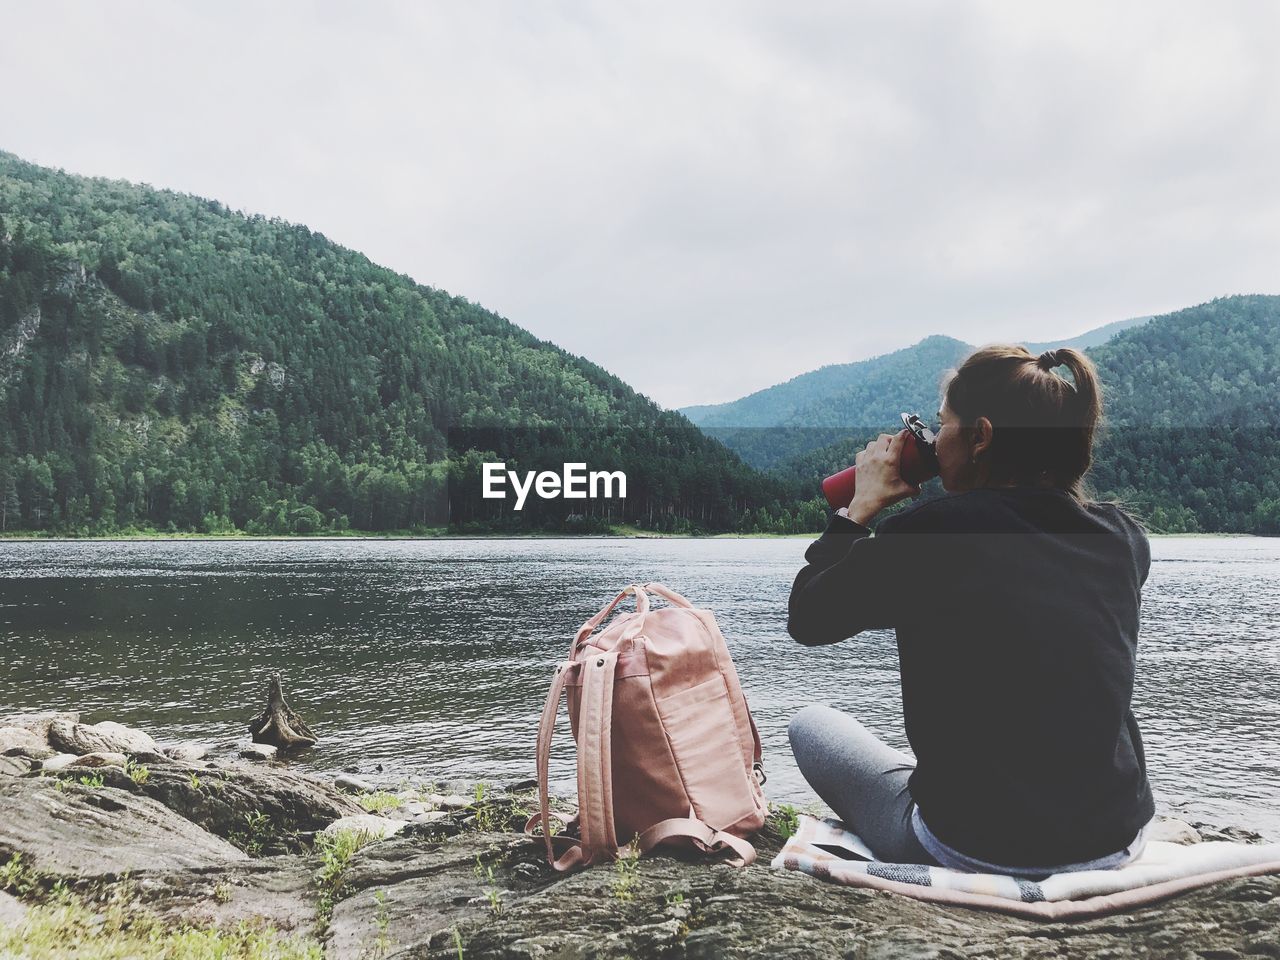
704, 198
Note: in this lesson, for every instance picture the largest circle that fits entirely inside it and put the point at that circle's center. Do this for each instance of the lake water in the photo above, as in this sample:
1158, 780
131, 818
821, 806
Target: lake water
432, 658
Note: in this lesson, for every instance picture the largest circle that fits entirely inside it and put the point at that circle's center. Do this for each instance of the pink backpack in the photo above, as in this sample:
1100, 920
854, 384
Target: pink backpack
667, 749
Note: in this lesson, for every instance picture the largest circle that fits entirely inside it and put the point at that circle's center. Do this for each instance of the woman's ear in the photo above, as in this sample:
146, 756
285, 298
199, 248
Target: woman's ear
980, 438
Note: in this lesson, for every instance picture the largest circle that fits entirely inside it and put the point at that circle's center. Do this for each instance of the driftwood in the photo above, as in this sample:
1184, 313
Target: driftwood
278, 725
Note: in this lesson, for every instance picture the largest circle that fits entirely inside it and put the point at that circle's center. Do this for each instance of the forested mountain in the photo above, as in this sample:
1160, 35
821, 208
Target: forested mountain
167, 363
1192, 403
1193, 407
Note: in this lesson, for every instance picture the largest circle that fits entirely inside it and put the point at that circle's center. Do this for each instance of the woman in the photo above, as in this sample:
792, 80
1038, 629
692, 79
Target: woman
1015, 601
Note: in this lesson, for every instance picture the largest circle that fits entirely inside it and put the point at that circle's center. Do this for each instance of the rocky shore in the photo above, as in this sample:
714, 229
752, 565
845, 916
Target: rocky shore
114, 845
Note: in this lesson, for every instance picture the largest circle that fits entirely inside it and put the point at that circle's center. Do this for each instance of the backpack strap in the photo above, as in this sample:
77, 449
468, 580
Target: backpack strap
757, 753
546, 727
595, 758
703, 836
595, 765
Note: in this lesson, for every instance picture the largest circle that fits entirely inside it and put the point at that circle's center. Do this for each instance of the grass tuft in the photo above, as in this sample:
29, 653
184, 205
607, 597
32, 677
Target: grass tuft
626, 870
382, 919
786, 819
336, 851
488, 816
492, 892
17, 878
380, 801
254, 836
67, 927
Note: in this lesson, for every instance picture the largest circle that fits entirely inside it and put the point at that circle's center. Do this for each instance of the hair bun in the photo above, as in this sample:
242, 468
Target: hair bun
1048, 360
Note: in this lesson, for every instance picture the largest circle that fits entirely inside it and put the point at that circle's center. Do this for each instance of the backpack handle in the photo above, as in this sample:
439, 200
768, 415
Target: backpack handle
701, 835
673, 598
642, 608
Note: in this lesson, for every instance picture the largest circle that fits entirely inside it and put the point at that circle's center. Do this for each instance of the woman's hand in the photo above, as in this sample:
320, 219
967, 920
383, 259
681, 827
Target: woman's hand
880, 483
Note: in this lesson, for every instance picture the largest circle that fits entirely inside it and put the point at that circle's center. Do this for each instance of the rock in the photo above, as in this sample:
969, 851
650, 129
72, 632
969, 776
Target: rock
185, 752
1233, 834
448, 801
105, 737
73, 831
723, 912
223, 799
100, 760
380, 827
430, 816
22, 742
258, 751
434, 889
11, 909
429, 889
279, 893
59, 761
14, 766
1173, 830
39, 723
150, 756
351, 784
520, 786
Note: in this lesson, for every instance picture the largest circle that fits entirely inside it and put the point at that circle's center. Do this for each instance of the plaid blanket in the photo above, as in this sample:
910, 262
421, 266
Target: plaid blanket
824, 849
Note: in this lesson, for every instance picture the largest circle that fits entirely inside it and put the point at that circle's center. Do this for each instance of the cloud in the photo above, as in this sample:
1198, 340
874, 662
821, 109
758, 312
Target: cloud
705, 198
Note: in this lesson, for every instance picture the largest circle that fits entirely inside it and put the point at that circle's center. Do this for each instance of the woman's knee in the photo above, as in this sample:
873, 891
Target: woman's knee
811, 728
806, 721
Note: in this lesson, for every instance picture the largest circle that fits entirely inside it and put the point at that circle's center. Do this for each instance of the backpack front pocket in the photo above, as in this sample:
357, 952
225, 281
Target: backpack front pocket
704, 740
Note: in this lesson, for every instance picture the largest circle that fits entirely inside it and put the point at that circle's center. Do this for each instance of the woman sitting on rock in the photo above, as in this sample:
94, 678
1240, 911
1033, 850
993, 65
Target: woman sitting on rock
1015, 600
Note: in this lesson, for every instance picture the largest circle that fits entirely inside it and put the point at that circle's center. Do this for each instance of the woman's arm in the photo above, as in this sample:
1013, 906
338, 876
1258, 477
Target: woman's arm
853, 581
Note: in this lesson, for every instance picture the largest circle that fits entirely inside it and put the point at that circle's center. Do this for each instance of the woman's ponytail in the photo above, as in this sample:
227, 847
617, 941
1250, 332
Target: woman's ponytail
1084, 377
1082, 415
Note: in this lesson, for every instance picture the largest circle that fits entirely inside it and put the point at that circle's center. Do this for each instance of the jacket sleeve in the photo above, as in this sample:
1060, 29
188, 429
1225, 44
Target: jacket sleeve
851, 582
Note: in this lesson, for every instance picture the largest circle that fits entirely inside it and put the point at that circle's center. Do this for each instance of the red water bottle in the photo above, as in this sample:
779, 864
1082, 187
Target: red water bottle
918, 464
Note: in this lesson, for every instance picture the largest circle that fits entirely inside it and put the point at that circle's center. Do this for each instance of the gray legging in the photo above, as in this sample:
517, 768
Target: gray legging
861, 778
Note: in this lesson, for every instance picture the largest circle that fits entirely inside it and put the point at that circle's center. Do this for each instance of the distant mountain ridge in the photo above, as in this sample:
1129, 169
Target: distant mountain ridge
1091, 338
867, 392
840, 394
